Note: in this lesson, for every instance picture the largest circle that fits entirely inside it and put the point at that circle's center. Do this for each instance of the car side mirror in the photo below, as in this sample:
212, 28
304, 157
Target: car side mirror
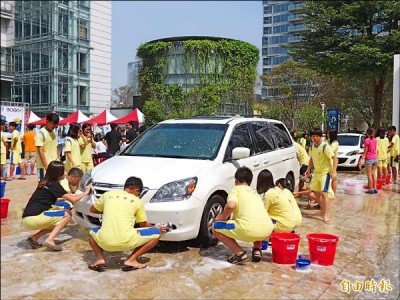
240, 152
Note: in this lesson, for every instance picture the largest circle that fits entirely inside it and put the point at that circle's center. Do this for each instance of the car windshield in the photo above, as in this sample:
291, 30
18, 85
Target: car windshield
195, 141
348, 140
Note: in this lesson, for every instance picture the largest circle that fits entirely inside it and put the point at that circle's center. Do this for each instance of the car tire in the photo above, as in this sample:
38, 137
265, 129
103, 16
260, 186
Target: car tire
289, 177
214, 206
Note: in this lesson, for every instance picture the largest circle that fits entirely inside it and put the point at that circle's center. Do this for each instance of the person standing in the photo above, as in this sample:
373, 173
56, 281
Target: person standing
73, 157
394, 152
30, 150
303, 160
331, 136
60, 143
370, 160
383, 145
4, 149
321, 155
131, 133
15, 152
46, 145
113, 139
87, 143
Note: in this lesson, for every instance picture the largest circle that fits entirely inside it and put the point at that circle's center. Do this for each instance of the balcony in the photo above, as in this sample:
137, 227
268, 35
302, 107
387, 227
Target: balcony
6, 10
7, 72
296, 6
295, 17
294, 39
296, 28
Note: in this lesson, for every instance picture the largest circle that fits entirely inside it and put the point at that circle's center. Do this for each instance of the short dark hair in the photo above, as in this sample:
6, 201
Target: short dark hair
244, 174
113, 126
134, 182
75, 172
13, 124
53, 117
2, 122
316, 131
265, 181
381, 132
74, 130
31, 127
392, 128
85, 125
332, 135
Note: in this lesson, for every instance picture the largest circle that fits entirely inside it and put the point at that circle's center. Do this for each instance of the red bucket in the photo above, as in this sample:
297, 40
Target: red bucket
4, 207
322, 248
284, 247
379, 183
388, 178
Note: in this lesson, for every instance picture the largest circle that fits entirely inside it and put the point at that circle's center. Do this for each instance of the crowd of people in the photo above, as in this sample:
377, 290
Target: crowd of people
249, 215
78, 147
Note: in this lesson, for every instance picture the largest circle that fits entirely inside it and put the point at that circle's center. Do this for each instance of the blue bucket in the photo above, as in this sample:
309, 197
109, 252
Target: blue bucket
302, 264
17, 171
2, 189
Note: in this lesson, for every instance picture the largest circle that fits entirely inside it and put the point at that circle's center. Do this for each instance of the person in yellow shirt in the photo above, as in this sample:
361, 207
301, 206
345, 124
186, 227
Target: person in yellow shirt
383, 145
72, 180
250, 222
333, 142
15, 152
394, 152
321, 162
120, 210
87, 143
303, 160
72, 149
4, 147
46, 145
287, 195
30, 150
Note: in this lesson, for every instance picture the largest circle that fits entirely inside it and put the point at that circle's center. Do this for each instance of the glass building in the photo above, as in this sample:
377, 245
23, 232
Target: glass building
62, 55
133, 79
281, 26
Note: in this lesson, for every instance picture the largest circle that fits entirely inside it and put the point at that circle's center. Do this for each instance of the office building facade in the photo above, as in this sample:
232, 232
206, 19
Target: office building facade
61, 55
282, 25
7, 42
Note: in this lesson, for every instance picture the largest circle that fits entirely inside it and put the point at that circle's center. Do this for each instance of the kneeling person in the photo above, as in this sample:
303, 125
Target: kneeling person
120, 210
250, 222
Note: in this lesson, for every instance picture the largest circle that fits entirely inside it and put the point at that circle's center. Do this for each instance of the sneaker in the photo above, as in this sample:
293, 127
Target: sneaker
370, 192
375, 191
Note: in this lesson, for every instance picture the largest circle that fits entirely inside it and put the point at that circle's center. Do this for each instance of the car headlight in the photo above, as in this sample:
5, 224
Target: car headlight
86, 179
355, 152
176, 191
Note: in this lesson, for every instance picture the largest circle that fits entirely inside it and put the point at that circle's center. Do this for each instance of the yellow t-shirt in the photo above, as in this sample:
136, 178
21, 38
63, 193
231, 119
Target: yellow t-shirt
86, 153
303, 142
302, 155
322, 158
335, 147
249, 213
47, 140
15, 136
72, 145
396, 146
295, 210
120, 211
278, 207
64, 183
3, 140
383, 145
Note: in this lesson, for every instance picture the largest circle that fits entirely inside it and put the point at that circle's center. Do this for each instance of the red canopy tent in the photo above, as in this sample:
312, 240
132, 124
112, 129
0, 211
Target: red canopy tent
31, 117
104, 118
76, 117
42, 121
136, 115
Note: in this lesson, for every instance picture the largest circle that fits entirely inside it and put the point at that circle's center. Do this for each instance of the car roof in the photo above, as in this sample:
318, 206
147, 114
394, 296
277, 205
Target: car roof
351, 134
217, 120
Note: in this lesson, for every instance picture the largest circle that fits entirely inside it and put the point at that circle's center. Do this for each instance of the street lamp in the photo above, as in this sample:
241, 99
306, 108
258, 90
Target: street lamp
323, 115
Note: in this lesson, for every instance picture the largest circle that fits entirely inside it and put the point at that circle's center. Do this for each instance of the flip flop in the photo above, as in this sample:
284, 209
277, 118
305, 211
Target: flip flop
256, 255
22, 178
97, 268
52, 247
127, 268
33, 243
238, 259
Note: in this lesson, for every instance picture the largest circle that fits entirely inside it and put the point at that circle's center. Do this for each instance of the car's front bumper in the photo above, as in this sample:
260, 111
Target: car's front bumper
348, 161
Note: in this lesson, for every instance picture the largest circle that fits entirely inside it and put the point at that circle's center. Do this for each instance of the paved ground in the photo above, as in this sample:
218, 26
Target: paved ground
367, 255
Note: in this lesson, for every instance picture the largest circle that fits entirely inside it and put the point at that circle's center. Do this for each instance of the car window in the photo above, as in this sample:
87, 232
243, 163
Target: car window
263, 137
240, 138
280, 135
349, 140
197, 141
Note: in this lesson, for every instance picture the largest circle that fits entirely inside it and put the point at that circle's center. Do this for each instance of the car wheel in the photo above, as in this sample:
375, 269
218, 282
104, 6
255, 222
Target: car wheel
290, 180
214, 206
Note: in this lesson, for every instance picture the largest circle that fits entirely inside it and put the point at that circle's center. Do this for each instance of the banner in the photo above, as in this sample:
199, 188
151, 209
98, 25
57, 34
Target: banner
14, 114
334, 119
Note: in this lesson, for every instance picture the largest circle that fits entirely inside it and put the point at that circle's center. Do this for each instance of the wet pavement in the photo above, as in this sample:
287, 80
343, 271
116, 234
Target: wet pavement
366, 264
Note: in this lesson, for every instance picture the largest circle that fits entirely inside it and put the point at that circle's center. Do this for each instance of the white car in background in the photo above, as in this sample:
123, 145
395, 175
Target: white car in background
351, 148
187, 167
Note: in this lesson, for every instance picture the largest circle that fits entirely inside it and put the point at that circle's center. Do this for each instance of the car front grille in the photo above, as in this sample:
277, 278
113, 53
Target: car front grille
100, 188
342, 160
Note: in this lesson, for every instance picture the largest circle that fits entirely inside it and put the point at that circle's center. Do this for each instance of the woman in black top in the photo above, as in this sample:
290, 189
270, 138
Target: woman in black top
38, 213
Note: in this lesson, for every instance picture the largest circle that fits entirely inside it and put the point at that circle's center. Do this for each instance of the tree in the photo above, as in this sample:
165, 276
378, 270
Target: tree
123, 96
153, 110
310, 117
352, 40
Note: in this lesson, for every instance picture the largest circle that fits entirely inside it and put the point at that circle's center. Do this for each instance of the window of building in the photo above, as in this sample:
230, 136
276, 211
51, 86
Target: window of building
267, 61
35, 61
267, 20
27, 61
18, 29
281, 28
27, 93
264, 41
63, 20
279, 39
267, 9
83, 29
63, 90
84, 3
45, 23
82, 95
82, 62
281, 18
44, 93
267, 30
63, 57
281, 7
35, 94
27, 28
44, 59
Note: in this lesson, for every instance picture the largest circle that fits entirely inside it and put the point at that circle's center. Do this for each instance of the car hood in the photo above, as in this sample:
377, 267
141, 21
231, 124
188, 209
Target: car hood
154, 171
346, 149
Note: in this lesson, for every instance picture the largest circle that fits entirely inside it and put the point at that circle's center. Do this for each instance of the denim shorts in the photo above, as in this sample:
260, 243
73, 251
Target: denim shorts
370, 162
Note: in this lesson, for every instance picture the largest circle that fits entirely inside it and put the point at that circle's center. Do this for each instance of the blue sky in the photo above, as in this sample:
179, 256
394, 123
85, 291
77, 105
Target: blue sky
137, 22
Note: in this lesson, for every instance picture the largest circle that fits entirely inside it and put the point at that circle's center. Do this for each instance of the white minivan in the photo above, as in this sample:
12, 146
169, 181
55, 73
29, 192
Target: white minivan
187, 167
